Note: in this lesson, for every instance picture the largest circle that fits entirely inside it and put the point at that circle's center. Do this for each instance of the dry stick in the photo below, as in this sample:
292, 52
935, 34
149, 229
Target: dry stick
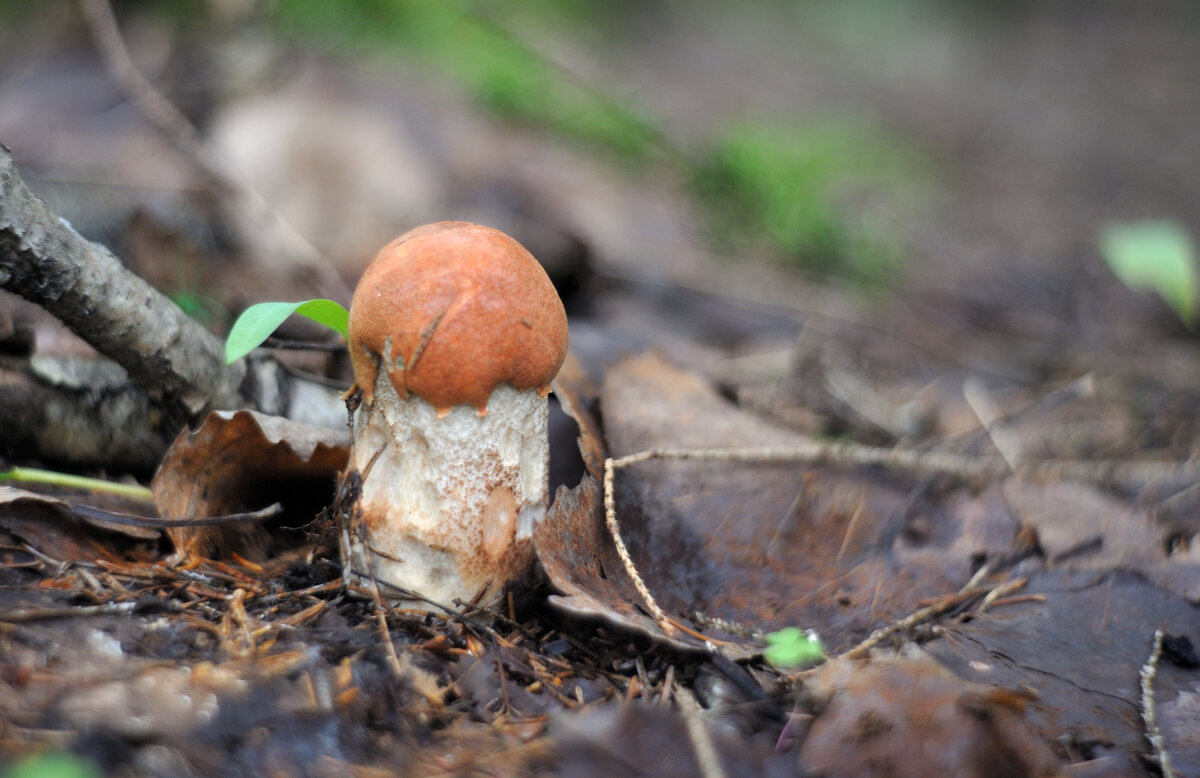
381, 611
385, 634
698, 735
818, 453
175, 127
1153, 733
177, 363
43, 614
610, 519
945, 605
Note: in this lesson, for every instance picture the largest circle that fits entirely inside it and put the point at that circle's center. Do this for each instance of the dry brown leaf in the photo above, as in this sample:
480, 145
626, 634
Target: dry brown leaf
763, 545
49, 525
1078, 640
908, 716
243, 461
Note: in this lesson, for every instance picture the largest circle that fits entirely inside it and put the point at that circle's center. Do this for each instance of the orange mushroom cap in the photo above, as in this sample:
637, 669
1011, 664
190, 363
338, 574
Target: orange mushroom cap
452, 310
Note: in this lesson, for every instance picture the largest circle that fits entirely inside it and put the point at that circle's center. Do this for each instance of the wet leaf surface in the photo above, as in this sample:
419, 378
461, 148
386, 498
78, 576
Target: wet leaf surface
852, 550
1077, 640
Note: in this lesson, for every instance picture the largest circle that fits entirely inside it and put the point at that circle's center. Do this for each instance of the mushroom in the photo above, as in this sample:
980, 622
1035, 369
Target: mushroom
455, 335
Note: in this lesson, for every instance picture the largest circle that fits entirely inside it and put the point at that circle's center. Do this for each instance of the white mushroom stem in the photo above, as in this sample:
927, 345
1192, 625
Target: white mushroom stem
449, 505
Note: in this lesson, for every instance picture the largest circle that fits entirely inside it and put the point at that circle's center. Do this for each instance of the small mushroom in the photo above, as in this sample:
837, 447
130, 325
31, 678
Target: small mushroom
455, 335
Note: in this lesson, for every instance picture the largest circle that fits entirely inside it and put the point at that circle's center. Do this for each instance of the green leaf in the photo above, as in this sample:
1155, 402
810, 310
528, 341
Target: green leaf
1156, 255
258, 322
790, 647
53, 766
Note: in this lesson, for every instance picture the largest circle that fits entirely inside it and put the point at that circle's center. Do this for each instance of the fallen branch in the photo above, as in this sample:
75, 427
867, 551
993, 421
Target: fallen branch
104, 423
176, 361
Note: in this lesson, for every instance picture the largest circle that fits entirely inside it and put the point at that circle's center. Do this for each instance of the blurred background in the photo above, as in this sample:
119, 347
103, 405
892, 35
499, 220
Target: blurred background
695, 174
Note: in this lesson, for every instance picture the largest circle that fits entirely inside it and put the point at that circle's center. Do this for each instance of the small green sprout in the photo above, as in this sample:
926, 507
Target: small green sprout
1157, 255
30, 475
258, 322
791, 647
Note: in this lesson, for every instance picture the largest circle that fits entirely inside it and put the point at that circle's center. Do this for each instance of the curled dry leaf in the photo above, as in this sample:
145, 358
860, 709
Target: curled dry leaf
242, 461
572, 543
579, 396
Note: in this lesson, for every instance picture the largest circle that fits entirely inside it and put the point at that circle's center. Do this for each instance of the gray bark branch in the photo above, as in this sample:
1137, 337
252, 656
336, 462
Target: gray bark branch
173, 358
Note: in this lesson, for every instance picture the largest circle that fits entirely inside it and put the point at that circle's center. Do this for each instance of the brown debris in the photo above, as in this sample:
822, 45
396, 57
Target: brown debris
907, 715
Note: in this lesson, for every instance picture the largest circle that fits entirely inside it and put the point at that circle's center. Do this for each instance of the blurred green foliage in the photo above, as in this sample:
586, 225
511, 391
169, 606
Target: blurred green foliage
793, 187
188, 295
500, 71
52, 766
801, 192
773, 188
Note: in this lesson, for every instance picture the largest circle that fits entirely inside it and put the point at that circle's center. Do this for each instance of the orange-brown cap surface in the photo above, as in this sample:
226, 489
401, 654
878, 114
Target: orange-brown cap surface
452, 310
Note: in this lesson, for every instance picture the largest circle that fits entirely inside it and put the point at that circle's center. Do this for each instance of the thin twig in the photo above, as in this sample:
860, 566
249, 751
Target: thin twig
114, 517
1153, 733
1099, 472
385, 634
939, 608
996, 596
45, 614
698, 735
610, 520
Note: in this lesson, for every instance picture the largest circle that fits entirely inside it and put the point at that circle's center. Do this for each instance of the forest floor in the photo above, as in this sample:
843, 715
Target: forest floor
998, 521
